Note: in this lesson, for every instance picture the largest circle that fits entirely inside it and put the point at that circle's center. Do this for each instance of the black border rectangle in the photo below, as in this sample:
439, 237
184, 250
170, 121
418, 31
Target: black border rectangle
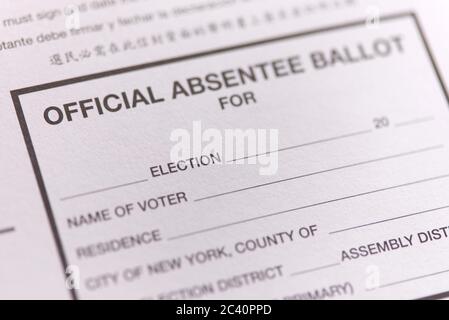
15, 94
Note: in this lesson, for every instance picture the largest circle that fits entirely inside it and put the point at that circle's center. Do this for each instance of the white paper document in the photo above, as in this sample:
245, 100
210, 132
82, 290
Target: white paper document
224, 149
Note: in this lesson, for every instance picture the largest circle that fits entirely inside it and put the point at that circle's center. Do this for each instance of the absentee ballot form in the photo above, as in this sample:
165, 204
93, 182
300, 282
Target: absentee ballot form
224, 150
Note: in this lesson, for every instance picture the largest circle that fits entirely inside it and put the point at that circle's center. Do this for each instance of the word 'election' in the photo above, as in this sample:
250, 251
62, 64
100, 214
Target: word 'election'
225, 79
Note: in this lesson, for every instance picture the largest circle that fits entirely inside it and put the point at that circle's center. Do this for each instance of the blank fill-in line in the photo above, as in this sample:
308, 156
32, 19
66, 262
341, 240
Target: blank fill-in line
102, 190
415, 121
408, 280
315, 269
390, 219
7, 230
398, 155
305, 144
308, 206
